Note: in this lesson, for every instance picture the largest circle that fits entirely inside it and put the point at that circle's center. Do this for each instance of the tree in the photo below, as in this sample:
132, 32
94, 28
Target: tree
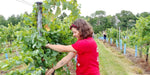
99, 13
143, 14
2, 20
14, 20
100, 22
127, 19
110, 21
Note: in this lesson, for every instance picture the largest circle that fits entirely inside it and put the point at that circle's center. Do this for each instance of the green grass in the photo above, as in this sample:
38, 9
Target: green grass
110, 63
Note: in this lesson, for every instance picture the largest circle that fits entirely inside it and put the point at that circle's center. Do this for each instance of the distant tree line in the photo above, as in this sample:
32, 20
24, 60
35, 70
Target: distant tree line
99, 21
125, 20
11, 20
15, 19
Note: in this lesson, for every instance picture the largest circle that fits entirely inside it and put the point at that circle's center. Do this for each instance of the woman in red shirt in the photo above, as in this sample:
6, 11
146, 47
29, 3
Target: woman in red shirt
85, 48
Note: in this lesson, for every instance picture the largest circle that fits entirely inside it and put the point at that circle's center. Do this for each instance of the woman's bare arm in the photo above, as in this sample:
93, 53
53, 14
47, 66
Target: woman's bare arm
61, 48
61, 63
64, 60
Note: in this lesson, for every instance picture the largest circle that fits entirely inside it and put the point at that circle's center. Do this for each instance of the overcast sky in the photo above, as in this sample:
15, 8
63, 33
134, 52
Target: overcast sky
111, 7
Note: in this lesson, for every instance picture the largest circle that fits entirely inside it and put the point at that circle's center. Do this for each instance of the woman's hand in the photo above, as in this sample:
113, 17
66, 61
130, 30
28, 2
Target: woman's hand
50, 71
47, 45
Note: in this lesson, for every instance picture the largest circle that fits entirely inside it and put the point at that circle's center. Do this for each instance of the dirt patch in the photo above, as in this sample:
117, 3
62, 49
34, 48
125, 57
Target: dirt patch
3, 72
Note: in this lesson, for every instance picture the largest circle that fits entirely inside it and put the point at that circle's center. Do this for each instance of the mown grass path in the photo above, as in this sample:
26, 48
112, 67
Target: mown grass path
113, 62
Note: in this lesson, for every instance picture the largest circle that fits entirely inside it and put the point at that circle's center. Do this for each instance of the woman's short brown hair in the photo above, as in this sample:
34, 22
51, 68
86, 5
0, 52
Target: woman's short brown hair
84, 28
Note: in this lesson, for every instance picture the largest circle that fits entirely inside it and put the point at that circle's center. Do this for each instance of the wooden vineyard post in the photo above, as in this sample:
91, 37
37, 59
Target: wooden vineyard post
39, 17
